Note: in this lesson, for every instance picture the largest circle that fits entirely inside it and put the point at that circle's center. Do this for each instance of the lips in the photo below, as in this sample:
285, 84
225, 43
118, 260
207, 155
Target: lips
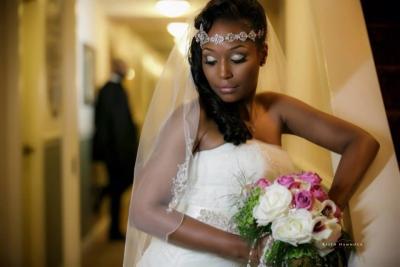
227, 89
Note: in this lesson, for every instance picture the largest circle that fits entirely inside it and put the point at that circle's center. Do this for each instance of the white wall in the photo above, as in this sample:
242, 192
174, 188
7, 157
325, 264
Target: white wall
330, 66
306, 81
92, 30
70, 143
355, 96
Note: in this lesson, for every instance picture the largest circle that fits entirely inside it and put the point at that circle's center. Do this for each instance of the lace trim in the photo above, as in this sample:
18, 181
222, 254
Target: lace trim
217, 220
179, 182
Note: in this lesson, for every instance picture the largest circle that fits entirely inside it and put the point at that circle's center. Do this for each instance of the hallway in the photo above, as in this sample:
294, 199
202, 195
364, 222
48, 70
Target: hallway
97, 250
56, 54
104, 254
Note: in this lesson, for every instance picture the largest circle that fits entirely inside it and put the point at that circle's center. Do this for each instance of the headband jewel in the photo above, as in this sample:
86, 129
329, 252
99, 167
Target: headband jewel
203, 38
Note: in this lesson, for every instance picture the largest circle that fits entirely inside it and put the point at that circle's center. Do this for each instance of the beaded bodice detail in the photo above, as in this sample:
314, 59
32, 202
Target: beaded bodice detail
217, 176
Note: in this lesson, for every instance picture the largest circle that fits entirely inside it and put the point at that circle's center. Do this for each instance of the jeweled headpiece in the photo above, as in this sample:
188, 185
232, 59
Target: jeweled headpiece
203, 38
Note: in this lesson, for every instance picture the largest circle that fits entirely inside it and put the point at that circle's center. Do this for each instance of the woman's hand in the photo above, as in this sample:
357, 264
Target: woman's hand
257, 252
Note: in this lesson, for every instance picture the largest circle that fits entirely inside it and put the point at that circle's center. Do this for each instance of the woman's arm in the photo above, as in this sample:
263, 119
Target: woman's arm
152, 194
357, 147
356, 158
200, 236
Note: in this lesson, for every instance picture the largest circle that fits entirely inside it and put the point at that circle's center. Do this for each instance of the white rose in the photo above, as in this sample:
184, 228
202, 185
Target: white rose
272, 204
326, 238
295, 228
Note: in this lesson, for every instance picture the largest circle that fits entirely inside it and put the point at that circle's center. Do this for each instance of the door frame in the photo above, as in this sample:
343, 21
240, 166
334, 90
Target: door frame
10, 160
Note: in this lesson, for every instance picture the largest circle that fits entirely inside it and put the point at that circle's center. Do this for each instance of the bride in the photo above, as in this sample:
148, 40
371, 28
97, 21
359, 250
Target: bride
207, 128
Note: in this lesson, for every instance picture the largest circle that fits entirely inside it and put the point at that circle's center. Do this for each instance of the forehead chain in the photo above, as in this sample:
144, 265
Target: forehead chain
203, 38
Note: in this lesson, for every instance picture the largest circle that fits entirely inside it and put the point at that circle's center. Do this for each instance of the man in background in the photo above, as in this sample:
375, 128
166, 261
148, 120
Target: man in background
115, 141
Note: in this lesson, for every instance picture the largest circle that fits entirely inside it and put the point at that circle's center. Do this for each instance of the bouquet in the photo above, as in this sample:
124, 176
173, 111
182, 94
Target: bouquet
299, 221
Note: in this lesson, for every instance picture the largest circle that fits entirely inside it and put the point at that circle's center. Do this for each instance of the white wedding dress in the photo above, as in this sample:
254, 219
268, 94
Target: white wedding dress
217, 176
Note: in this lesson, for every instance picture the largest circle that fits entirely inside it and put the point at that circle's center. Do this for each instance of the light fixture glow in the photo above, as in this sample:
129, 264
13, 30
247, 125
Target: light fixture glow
177, 29
152, 65
130, 74
172, 8
183, 47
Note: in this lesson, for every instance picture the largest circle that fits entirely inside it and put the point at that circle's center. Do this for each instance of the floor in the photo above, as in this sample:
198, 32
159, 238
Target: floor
104, 254
97, 250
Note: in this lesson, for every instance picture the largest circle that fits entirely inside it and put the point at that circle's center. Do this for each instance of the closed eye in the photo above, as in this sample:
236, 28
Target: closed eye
210, 60
238, 58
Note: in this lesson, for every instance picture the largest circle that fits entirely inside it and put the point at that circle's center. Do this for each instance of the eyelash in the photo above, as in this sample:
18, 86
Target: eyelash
210, 62
236, 61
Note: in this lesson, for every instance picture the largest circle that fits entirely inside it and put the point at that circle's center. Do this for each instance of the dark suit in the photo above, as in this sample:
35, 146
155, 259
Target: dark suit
115, 143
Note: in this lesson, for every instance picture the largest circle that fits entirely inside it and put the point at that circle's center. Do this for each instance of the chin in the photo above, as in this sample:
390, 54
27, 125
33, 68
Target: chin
230, 98
233, 98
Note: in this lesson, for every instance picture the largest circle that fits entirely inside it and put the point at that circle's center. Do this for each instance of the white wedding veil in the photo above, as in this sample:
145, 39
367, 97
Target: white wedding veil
166, 144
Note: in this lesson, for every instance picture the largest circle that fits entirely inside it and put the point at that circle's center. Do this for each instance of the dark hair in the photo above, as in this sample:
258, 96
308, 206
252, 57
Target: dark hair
225, 115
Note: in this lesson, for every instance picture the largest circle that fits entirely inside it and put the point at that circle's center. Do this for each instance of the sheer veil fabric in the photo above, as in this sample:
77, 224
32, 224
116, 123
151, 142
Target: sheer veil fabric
161, 170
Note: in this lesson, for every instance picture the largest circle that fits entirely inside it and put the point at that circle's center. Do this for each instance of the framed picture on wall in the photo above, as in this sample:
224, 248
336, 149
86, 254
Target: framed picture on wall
54, 58
88, 75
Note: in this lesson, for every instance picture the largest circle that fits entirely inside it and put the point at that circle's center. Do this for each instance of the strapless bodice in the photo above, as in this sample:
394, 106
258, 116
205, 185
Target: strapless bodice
217, 176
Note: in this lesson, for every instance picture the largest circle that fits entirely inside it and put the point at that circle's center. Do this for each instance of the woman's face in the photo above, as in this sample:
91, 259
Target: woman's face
231, 68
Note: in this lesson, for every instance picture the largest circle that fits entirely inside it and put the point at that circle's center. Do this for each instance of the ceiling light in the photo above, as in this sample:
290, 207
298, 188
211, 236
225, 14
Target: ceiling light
130, 74
177, 29
172, 8
152, 65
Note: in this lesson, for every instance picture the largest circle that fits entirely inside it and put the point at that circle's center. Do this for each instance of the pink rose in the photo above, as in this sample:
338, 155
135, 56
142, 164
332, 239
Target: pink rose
319, 193
263, 183
310, 177
303, 200
285, 180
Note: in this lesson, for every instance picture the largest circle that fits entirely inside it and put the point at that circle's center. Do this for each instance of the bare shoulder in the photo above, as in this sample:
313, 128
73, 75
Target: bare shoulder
208, 135
267, 99
275, 103
202, 127
274, 100
288, 108
203, 123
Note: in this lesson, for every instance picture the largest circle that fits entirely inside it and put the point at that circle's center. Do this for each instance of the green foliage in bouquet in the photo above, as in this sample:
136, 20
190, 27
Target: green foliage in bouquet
245, 221
343, 249
306, 255
284, 254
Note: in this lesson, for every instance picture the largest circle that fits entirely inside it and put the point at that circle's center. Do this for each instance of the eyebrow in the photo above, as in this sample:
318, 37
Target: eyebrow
232, 48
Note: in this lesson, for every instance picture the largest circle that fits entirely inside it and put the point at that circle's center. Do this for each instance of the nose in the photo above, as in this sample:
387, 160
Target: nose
225, 71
